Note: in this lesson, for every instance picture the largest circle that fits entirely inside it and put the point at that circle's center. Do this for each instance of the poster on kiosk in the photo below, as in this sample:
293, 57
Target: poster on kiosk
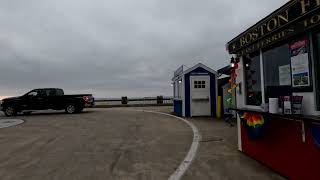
300, 63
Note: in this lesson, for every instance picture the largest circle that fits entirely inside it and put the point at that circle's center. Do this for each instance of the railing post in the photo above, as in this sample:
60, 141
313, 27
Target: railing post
124, 100
159, 99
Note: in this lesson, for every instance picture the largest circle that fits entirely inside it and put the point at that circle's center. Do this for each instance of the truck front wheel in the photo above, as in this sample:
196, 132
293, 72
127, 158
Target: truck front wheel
10, 111
70, 109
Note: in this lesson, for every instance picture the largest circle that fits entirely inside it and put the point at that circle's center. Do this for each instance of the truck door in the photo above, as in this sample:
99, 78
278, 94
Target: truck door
44, 99
31, 100
52, 99
39, 101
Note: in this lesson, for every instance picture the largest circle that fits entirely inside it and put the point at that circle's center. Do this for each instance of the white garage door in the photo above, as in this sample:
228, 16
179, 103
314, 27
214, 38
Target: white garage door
200, 96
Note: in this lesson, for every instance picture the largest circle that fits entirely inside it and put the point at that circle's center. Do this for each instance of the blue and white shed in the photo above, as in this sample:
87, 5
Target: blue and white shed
195, 91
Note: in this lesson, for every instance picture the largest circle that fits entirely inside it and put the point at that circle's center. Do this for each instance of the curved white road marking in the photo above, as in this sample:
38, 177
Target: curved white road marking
180, 171
4, 123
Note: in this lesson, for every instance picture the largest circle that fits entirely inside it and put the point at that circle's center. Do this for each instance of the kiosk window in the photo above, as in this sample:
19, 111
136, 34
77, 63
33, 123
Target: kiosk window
318, 62
277, 72
318, 41
253, 80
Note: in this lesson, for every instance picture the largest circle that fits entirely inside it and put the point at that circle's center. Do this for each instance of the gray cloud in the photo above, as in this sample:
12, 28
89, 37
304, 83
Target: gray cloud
115, 47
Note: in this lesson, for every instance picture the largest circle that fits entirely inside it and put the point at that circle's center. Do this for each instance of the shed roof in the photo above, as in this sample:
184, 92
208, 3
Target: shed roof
202, 66
193, 68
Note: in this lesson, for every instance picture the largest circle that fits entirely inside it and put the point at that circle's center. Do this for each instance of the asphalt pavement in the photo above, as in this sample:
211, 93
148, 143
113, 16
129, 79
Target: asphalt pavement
97, 144
121, 144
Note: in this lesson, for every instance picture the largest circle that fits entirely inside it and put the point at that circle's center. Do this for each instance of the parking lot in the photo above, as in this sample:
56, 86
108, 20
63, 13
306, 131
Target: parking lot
97, 144
120, 144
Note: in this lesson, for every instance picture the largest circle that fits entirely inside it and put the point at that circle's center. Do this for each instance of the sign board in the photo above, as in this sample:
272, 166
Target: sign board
293, 18
178, 72
197, 73
300, 64
285, 75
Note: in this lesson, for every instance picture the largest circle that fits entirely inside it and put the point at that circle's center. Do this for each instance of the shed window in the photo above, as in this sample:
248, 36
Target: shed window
277, 72
252, 79
199, 84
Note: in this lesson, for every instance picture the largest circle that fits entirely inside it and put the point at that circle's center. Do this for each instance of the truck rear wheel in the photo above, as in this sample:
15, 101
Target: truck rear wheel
70, 109
10, 111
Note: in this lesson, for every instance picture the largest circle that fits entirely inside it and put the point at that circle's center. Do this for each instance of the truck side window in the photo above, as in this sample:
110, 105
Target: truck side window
43, 93
51, 92
59, 92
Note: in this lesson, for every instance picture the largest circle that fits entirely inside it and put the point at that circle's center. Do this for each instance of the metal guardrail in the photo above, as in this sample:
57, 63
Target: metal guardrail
125, 101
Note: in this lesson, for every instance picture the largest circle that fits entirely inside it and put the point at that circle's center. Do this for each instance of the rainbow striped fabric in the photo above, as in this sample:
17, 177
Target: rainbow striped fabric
253, 119
254, 123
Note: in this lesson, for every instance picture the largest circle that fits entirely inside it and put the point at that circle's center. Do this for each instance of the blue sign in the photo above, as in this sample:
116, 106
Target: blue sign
179, 71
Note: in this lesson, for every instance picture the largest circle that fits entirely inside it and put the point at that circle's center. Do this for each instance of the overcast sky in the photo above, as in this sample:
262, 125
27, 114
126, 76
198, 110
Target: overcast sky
113, 48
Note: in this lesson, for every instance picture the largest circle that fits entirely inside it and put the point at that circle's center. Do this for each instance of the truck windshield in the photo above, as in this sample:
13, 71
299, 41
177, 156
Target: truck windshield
32, 93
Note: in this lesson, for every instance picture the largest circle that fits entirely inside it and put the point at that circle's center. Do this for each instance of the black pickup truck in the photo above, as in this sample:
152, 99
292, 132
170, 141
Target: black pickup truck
44, 99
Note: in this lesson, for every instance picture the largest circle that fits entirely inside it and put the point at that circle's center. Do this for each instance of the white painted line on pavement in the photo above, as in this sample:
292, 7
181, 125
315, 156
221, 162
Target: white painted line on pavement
180, 171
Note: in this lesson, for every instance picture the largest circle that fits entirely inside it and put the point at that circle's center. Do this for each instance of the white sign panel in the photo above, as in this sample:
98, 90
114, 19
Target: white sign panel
285, 75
